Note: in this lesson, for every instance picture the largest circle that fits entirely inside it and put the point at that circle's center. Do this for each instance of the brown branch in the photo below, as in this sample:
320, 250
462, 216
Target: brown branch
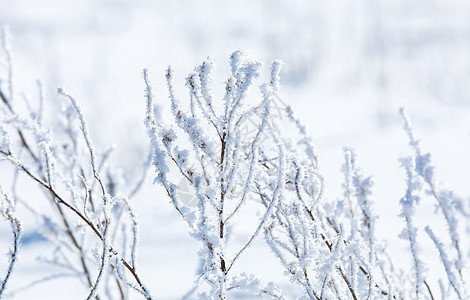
59, 200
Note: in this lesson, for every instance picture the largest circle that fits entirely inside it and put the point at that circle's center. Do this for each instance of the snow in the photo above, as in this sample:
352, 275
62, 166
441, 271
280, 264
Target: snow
348, 68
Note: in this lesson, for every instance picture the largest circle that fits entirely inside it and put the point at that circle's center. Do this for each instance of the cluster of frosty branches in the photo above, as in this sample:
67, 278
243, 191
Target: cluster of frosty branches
91, 214
303, 230
421, 172
218, 160
328, 248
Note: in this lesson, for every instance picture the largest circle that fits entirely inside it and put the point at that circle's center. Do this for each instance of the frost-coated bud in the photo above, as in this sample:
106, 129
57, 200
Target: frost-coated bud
236, 61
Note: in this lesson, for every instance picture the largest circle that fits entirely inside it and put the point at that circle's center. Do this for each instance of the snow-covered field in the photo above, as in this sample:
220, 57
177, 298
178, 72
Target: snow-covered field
349, 67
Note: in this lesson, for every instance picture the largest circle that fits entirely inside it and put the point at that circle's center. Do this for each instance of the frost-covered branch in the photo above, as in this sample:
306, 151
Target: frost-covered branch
454, 279
7, 209
408, 204
6, 47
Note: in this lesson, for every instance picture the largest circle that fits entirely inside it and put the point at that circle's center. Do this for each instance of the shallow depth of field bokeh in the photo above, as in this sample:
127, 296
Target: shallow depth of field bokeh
349, 67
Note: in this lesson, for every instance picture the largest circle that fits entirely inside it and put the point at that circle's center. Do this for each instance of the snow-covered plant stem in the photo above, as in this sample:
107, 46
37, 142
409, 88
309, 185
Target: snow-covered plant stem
454, 280
6, 47
7, 209
408, 204
361, 190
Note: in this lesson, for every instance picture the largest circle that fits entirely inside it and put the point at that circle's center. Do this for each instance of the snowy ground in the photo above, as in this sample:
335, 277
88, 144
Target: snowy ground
349, 66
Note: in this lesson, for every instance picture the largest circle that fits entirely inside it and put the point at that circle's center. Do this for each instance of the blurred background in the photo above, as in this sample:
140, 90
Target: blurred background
349, 66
